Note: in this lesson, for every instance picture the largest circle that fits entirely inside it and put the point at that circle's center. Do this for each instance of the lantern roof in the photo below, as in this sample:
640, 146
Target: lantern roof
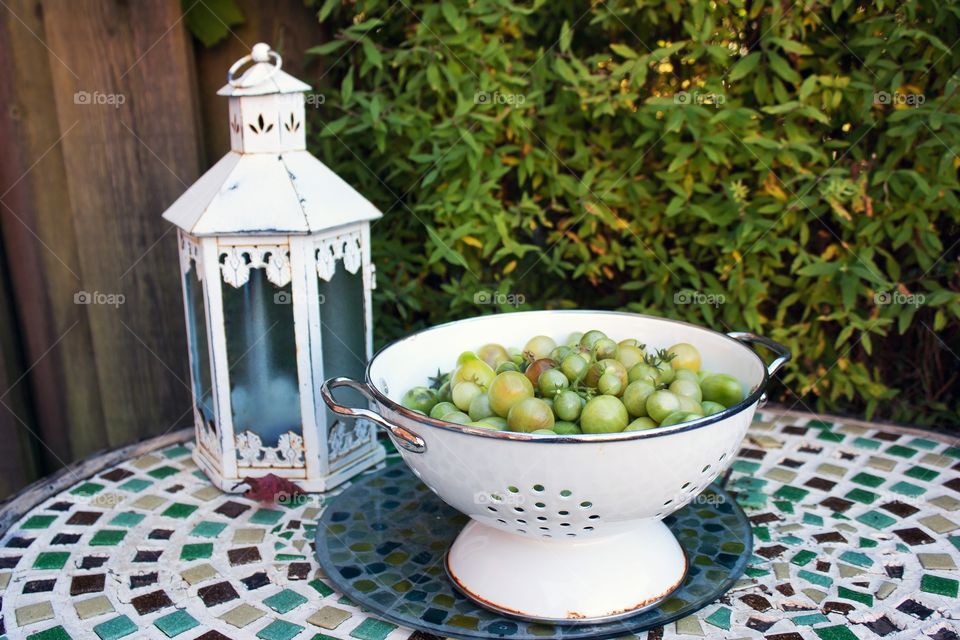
268, 184
268, 193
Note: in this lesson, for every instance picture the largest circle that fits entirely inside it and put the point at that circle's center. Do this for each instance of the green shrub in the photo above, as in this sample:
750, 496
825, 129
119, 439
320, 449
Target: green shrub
790, 169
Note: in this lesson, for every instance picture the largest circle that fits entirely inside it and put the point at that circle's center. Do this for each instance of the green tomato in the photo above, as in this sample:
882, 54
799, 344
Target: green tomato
444, 393
552, 382
702, 375
603, 349
566, 406
610, 384
464, 393
507, 366
686, 374
677, 417
574, 367
480, 407
665, 373
690, 405
564, 428
483, 425
711, 408
635, 397
641, 424
466, 357
507, 389
597, 369
686, 388
685, 356
493, 354
420, 399
529, 415
495, 422
629, 355
660, 404
544, 432
591, 337
723, 389
441, 409
604, 414
561, 352
458, 417
538, 347
573, 340
476, 371
644, 372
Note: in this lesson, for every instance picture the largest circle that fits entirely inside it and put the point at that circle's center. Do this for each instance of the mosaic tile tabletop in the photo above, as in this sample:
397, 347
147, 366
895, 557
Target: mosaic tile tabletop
856, 535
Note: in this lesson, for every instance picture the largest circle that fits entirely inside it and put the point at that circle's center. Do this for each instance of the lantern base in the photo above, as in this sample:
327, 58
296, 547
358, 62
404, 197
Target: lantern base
235, 484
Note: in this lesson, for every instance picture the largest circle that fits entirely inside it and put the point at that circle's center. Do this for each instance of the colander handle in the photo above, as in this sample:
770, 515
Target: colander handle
404, 438
783, 354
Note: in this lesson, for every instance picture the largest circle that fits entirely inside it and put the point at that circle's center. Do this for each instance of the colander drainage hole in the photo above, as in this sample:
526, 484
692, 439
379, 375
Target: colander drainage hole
538, 488
518, 509
544, 528
493, 509
586, 504
513, 489
723, 456
541, 518
563, 513
571, 535
588, 528
501, 521
521, 521
564, 524
686, 485
668, 503
705, 469
594, 517
521, 530
566, 493
540, 505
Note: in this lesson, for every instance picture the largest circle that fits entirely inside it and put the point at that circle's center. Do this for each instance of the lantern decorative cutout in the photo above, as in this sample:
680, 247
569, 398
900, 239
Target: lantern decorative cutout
277, 280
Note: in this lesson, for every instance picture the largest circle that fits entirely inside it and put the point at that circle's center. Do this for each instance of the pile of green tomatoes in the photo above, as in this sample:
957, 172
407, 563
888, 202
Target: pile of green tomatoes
589, 384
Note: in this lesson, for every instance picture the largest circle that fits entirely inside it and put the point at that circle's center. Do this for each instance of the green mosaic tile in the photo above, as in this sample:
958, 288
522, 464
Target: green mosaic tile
196, 551
38, 522
87, 489
908, 489
762, 533
162, 472
819, 424
175, 623
135, 485
830, 436
372, 629
118, 627
810, 518
867, 443
862, 496
924, 443
284, 601
856, 558
752, 500
940, 586
953, 452
901, 451
838, 632
107, 537
289, 557
54, 633
803, 558
720, 618
809, 619
266, 516
791, 540
856, 596
922, 473
784, 506
51, 559
756, 572
207, 529
179, 510
745, 466
793, 494
876, 519
279, 630
321, 588
867, 479
176, 452
816, 578
127, 519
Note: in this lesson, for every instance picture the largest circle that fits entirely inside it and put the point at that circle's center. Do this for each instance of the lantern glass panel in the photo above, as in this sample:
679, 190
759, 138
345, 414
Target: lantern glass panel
343, 331
262, 356
199, 345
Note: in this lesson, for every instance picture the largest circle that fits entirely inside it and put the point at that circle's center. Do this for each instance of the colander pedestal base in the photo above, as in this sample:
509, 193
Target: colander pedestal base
589, 579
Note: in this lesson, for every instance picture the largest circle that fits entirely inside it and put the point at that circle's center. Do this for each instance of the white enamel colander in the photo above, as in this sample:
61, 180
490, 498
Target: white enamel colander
563, 528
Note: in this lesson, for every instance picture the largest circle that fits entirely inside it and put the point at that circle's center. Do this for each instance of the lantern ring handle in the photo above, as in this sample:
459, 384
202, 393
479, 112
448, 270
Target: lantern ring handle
261, 53
404, 438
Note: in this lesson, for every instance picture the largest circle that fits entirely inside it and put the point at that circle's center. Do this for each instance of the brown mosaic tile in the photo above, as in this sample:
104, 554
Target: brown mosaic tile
217, 594
836, 504
84, 518
87, 584
914, 536
900, 509
150, 602
116, 475
232, 509
821, 484
243, 555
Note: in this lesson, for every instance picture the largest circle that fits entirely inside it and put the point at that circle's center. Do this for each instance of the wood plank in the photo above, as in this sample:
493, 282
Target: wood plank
134, 149
40, 246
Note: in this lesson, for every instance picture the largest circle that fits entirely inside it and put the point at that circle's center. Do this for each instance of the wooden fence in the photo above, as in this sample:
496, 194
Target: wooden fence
109, 112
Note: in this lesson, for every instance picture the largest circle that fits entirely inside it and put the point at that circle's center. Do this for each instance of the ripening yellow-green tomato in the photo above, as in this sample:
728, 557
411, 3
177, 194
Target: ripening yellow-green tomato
685, 356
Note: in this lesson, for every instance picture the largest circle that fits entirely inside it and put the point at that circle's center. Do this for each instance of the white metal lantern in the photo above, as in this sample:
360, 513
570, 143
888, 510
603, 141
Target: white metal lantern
275, 260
